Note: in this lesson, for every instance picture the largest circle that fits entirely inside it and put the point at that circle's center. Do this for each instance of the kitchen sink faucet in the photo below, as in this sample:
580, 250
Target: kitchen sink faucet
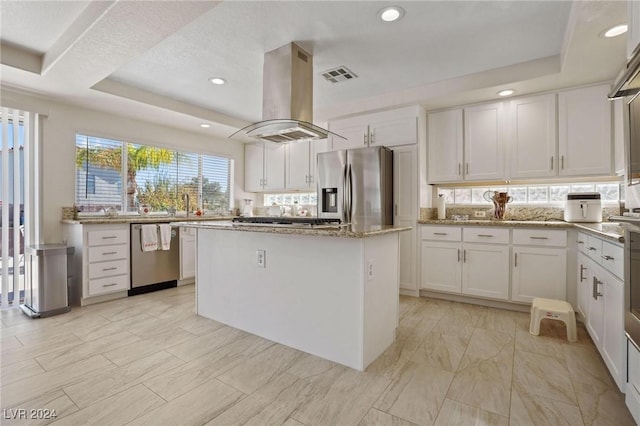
185, 199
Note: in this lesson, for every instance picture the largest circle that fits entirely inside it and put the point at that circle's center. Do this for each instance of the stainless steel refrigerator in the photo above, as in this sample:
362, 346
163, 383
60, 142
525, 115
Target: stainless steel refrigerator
356, 186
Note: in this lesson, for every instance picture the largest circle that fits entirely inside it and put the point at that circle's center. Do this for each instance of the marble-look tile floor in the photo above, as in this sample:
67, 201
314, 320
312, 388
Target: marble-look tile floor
150, 360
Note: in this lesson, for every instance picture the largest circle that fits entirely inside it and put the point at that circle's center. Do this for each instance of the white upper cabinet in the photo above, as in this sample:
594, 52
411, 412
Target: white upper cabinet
444, 131
387, 128
355, 132
483, 142
584, 122
264, 167
301, 162
532, 137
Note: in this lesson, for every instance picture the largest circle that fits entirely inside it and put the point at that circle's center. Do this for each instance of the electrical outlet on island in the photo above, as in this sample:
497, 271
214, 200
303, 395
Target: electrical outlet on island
479, 213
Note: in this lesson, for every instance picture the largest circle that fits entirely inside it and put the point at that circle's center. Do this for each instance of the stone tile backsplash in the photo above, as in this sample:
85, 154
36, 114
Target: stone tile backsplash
513, 213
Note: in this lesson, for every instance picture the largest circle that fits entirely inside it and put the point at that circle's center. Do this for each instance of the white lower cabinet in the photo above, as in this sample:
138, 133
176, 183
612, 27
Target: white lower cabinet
485, 270
497, 263
583, 285
539, 272
100, 260
601, 301
632, 397
187, 253
441, 268
477, 269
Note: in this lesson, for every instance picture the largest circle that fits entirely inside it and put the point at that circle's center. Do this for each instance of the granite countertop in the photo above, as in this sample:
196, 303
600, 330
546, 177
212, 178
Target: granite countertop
609, 230
343, 231
96, 220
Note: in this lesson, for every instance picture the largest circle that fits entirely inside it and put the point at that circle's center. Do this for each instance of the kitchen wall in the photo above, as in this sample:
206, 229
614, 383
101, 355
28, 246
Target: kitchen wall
58, 131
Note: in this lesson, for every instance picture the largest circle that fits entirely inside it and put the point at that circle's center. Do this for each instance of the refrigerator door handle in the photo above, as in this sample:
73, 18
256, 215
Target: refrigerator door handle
349, 193
344, 194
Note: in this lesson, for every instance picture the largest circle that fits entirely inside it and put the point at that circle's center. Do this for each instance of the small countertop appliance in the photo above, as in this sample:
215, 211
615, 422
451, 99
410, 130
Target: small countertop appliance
583, 207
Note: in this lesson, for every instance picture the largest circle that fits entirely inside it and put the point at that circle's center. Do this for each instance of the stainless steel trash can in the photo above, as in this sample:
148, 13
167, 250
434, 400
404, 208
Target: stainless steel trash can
46, 279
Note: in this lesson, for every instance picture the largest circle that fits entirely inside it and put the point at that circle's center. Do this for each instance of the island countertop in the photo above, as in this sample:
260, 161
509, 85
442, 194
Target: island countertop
103, 219
343, 231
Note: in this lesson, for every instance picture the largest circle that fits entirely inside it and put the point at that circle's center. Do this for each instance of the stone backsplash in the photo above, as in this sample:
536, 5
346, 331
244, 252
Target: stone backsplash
512, 213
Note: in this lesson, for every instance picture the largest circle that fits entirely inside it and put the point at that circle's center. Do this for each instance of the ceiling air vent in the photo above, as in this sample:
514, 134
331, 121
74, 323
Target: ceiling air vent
336, 75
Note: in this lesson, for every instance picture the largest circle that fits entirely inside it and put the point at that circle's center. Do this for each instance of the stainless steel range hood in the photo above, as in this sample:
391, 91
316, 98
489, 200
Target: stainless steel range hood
287, 99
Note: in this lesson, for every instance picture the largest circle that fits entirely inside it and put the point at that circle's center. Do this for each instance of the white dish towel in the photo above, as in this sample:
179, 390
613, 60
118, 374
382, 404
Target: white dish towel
149, 238
165, 236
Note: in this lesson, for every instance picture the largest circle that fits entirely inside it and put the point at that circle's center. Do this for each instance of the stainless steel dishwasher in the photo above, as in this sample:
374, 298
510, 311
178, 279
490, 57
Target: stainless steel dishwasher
153, 270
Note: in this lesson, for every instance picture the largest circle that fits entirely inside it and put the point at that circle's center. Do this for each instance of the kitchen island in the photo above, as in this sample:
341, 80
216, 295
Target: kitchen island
328, 292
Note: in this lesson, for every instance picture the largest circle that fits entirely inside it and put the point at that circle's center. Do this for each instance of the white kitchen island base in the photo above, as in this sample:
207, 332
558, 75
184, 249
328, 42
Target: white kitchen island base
333, 297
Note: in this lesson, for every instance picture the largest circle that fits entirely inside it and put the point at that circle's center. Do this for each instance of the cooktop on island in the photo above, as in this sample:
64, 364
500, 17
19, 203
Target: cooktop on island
286, 221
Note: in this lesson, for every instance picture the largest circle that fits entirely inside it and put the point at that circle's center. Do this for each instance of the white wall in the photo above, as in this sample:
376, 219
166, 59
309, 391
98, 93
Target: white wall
58, 131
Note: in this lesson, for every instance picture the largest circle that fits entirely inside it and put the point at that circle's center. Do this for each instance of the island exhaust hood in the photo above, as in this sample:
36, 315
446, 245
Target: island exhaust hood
287, 98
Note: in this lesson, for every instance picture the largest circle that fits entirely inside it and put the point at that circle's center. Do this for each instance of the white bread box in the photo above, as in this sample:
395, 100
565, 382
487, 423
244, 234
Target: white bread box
583, 207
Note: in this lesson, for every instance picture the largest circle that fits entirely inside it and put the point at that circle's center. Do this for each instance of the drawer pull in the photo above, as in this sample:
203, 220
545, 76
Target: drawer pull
485, 235
591, 248
539, 238
109, 285
110, 237
439, 233
580, 242
113, 268
607, 257
109, 252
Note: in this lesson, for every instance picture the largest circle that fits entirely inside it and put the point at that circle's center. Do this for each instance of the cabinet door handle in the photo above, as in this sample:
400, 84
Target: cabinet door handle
467, 168
582, 269
562, 162
591, 248
364, 138
596, 293
109, 285
459, 169
580, 242
464, 256
539, 238
439, 233
310, 178
485, 235
372, 137
515, 263
552, 162
458, 255
395, 207
607, 257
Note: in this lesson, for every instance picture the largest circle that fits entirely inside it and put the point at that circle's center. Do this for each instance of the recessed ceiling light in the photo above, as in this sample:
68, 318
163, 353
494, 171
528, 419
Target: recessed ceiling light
506, 92
615, 31
205, 125
217, 80
391, 13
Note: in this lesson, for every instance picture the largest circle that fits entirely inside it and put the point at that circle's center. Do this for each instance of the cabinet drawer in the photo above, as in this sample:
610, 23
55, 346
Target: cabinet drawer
101, 238
103, 253
540, 237
109, 284
594, 248
613, 259
582, 243
442, 233
108, 269
486, 235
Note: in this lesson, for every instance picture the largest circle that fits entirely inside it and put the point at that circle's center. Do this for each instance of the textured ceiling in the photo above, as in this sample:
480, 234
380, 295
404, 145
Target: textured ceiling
155, 57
